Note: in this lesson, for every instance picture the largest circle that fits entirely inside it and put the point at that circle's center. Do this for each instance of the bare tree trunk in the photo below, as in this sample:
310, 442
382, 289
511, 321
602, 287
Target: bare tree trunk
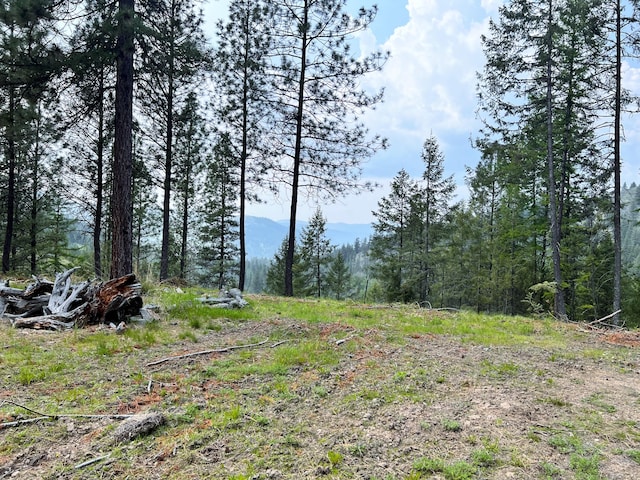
559, 308
243, 159
185, 224
11, 187
164, 255
617, 235
35, 187
288, 268
99, 191
121, 202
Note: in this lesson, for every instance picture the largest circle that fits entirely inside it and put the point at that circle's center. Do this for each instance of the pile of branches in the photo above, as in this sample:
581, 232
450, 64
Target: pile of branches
62, 305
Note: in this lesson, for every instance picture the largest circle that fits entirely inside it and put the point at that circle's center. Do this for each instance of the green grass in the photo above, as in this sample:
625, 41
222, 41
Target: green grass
451, 425
244, 412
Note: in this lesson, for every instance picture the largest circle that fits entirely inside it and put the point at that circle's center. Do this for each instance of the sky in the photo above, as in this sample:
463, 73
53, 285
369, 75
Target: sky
430, 89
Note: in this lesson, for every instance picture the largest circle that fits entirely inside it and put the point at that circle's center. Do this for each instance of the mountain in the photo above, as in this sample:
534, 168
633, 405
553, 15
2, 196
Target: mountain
264, 236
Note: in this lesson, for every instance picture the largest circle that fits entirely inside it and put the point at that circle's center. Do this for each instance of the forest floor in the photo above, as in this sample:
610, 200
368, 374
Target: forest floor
313, 390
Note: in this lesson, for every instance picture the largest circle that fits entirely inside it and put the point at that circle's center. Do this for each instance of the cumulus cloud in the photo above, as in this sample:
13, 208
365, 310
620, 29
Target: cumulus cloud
430, 79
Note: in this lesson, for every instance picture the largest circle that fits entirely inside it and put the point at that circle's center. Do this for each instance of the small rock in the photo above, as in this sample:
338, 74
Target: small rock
137, 425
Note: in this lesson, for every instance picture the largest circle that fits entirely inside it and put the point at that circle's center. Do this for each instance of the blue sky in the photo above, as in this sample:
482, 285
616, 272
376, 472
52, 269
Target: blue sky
429, 84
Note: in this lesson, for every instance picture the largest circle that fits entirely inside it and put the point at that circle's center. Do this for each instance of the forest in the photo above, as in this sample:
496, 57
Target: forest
133, 142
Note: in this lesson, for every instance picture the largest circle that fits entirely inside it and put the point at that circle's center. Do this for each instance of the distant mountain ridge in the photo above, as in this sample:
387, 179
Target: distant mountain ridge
264, 236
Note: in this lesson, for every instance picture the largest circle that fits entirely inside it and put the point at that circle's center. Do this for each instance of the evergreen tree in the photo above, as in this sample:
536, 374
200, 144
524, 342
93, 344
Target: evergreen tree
189, 157
435, 193
29, 58
338, 279
121, 196
538, 89
146, 218
274, 281
90, 128
174, 56
317, 82
397, 241
315, 251
241, 66
218, 231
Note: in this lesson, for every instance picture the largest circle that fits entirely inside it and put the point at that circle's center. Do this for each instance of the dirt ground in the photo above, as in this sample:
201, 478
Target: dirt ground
377, 412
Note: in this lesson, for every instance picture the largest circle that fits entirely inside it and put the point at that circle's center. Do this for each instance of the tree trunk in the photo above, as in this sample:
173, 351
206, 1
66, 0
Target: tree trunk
11, 181
97, 221
185, 222
33, 234
559, 307
617, 235
164, 257
243, 157
288, 268
121, 202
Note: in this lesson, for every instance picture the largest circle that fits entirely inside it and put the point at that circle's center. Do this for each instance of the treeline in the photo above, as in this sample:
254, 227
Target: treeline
153, 134
541, 230
127, 117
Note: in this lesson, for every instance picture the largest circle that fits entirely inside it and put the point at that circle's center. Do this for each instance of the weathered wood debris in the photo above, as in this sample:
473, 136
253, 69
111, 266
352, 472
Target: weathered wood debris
231, 298
61, 304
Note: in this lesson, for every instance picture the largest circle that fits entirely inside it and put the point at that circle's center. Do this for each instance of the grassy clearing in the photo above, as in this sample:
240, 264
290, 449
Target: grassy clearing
339, 390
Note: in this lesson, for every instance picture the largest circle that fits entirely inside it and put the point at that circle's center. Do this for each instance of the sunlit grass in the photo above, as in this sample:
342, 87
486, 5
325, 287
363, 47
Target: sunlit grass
409, 320
330, 354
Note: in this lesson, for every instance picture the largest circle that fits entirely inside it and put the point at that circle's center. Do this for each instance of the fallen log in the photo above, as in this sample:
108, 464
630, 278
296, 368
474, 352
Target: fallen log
61, 305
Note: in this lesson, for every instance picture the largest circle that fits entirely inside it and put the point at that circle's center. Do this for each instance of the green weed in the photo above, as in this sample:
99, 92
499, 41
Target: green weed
483, 458
633, 455
335, 458
30, 374
429, 465
597, 401
585, 467
550, 471
451, 425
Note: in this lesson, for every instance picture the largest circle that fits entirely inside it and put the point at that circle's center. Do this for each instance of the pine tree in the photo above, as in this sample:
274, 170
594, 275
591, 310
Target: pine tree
147, 216
542, 79
315, 251
338, 279
29, 59
274, 281
189, 157
173, 58
90, 128
319, 99
436, 191
240, 69
121, 197
218, 231
397, 241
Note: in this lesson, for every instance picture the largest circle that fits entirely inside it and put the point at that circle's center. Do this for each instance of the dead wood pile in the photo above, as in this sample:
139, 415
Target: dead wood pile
61, 304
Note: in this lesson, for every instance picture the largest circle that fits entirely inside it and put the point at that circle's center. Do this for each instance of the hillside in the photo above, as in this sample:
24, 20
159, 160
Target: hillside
295, 389
265, 236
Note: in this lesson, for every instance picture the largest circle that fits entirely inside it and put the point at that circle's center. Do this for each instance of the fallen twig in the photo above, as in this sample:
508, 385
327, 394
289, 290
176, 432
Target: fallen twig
46, 416
601, 320
92, 461
205, 352
22, 422
346, 339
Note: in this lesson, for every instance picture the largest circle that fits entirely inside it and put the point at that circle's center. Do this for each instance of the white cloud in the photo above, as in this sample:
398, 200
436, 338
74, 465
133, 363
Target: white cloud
421, 8
491, 5
430, 79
